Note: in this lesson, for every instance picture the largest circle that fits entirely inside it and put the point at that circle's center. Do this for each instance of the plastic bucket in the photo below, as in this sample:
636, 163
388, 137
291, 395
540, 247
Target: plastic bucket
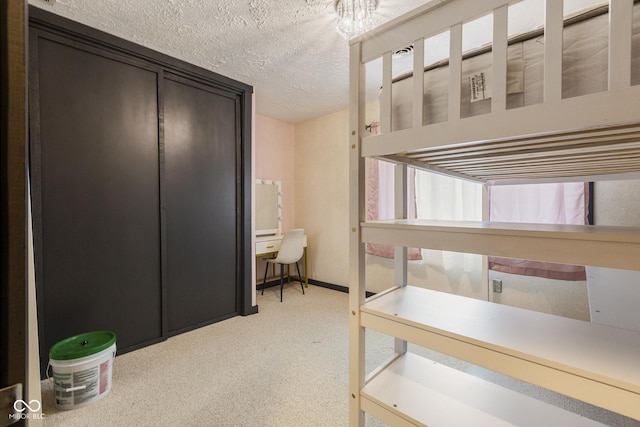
82, 367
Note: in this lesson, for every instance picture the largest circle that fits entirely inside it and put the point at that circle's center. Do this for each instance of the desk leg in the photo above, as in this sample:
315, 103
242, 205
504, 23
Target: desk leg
306, 271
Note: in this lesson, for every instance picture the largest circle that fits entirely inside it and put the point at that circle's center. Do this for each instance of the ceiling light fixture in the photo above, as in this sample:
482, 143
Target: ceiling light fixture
355, 16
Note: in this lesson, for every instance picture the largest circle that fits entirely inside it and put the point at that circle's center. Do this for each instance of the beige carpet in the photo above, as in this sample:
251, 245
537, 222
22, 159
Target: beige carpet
286, 366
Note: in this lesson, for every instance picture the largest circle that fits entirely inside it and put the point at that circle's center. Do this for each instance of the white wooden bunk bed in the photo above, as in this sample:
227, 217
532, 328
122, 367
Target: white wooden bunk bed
590, 137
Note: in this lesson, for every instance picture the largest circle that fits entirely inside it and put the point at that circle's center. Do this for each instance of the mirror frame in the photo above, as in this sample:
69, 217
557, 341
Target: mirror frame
270, 231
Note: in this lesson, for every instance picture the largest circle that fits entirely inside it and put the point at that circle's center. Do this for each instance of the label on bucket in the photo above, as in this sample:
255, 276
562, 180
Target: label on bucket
82, 386
104, 376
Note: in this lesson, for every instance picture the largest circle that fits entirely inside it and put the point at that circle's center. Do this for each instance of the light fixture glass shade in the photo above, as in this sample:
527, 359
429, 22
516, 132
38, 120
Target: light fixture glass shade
355, 16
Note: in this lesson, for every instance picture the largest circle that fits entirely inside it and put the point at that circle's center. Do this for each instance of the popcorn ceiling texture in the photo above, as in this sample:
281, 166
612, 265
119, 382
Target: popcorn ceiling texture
288, 50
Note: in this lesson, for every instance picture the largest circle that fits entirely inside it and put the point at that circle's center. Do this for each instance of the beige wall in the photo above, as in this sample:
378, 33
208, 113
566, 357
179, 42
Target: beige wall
617, 203
274, 160
322, 194
311, 160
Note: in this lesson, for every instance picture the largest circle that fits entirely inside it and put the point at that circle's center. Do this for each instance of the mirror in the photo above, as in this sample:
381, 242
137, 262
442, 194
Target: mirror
268, 207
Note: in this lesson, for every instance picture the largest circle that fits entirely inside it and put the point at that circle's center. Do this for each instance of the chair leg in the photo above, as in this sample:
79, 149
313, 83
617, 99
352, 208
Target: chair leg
300, 278
281, 280
264, 281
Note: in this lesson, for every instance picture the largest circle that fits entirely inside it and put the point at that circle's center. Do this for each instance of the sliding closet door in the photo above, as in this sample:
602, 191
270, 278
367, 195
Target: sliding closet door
95, 170
200, 137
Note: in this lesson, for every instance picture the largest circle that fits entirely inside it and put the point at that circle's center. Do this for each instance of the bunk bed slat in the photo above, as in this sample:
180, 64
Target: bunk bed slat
553, 29
620, 27
515, 172
626, 156
523, 167
418, 84
572, 156
597, 137
576, 151
499, 52
455, 71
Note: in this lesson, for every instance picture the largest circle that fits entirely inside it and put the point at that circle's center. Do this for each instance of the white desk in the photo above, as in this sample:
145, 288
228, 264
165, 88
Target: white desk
268, 245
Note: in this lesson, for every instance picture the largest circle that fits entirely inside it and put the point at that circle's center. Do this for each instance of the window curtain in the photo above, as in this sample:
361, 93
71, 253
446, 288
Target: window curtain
441, 197
380, 200
556, 203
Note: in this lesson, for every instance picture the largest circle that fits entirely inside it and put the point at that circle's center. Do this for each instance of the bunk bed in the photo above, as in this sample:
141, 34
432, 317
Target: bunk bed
557, 138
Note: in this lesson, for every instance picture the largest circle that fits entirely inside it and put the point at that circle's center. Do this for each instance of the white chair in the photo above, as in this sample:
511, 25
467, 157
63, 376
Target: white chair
291, 250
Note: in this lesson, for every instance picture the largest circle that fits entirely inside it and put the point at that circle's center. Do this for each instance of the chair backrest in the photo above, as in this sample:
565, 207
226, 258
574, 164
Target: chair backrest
292, 247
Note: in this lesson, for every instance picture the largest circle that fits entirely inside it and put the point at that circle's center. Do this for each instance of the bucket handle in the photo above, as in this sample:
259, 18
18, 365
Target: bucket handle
80, 387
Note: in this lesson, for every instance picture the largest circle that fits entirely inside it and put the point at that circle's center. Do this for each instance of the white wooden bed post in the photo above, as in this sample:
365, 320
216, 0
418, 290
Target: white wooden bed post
400, 259
356, 215
486, 288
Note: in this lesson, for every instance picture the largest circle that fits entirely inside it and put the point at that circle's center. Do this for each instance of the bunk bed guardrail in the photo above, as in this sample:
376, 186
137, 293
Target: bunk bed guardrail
560, 138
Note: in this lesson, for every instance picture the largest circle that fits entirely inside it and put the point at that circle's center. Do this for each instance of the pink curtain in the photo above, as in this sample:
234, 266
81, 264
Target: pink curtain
563, 203
380, 201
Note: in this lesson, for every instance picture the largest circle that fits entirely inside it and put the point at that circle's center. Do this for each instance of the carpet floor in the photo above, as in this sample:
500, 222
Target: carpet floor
286, 366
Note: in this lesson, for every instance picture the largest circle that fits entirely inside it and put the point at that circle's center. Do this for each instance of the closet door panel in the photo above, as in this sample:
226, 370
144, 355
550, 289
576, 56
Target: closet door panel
200, 170
98, 165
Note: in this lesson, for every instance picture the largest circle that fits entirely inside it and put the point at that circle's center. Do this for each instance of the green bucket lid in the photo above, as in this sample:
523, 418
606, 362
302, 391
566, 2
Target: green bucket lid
82, 345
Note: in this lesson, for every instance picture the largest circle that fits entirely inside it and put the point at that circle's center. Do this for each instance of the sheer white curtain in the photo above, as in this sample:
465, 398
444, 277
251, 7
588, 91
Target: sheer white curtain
446, 198
556, 203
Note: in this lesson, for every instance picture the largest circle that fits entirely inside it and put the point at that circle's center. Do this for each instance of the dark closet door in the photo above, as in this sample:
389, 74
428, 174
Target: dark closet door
200, 134
96, 166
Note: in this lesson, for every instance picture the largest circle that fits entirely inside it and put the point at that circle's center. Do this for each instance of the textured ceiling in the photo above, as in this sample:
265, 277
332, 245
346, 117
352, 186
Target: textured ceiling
287, 49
